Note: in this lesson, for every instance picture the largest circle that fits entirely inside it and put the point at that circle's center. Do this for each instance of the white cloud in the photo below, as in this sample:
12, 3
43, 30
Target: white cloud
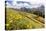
33, 1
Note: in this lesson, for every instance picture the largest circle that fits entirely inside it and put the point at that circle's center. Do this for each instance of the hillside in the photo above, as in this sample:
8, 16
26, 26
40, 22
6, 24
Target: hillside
22, 20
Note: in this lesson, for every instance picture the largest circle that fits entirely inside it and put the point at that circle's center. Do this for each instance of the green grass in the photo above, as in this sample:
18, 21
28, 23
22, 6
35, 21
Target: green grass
21, 20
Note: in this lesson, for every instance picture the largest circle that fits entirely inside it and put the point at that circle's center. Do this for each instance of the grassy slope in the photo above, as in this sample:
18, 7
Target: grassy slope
22, 20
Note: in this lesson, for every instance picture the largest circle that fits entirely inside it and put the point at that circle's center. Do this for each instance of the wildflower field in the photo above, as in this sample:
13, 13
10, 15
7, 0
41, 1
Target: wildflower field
22, 20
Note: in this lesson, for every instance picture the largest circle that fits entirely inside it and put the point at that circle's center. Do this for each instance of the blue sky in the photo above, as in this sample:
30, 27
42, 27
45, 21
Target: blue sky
8, 0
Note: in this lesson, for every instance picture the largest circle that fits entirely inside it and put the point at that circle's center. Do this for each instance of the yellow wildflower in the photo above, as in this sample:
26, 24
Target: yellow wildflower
7, 24
18, 16
29, 26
